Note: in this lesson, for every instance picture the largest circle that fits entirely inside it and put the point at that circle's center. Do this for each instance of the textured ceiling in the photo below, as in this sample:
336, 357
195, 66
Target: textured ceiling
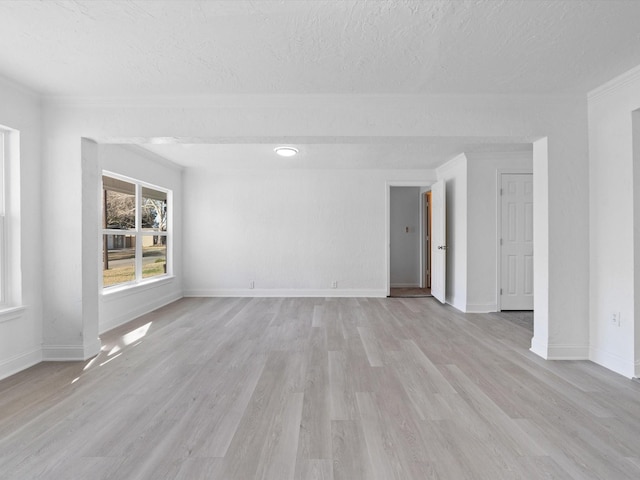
127, 48
175, 48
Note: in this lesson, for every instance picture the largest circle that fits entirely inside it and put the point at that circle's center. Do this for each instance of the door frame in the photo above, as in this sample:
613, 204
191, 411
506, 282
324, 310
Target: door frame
387, 248
426, 232
499, 173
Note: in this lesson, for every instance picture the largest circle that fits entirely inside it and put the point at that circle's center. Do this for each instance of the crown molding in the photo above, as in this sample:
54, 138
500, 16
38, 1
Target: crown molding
615, 84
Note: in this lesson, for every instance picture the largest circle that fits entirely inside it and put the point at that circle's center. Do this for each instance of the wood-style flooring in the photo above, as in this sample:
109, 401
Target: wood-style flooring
375, 389
409, 292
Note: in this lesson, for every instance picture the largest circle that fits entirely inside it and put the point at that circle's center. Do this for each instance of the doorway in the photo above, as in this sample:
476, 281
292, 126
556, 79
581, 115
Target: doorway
408, 254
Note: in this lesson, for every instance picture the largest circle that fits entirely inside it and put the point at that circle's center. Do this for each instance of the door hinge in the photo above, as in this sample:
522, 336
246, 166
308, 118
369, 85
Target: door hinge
500, 192
500, 241
500, 291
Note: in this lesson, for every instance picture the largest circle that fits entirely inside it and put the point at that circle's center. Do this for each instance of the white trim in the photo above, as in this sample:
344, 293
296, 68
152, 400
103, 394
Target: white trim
453, 301
568, 352
22, 361
138, 233
405, 285
131, 288
70, 353
481, 308
10, 255
4, 251
277, 292
135, 181
138, 311
387, 191
611, 86
92, 349
62, 353
613, 362
11, 313
540, 347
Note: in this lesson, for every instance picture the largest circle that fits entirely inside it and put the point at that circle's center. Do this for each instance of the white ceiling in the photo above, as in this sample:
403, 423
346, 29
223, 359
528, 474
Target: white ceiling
131, 48
106, 48
415, 153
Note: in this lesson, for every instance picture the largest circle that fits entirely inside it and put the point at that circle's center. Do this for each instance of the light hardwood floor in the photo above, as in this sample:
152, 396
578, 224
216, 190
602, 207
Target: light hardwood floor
240, 389
404, 292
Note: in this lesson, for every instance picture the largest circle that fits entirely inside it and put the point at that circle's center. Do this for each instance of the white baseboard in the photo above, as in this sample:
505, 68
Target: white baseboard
539, 347
405, 285
137, 312
559, 352
62, 353
453, 301
70, 353
277, 292
568, 352
20, 362
93, 349
614, 362
481, 308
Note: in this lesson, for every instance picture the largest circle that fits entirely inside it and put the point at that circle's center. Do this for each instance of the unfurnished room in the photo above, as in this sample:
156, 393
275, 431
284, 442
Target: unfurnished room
321, 239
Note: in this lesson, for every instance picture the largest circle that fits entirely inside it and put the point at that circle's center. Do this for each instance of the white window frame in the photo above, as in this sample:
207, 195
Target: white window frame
3, 234
139, 233
10, 252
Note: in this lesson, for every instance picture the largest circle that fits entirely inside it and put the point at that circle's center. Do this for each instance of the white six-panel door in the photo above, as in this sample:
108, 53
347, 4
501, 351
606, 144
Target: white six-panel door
516, 243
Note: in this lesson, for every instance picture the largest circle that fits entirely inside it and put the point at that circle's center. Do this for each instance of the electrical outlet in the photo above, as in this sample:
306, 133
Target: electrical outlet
615, 319
334, 284
252, 284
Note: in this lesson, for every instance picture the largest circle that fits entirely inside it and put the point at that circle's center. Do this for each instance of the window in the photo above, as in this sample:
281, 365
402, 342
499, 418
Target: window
3, 235
10, 254
135, 235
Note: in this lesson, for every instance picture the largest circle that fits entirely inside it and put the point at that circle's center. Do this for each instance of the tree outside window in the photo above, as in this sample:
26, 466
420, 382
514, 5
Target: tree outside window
135, 233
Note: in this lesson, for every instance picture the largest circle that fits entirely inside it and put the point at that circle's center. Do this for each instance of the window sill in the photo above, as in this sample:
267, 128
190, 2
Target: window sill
111, 293
10, 313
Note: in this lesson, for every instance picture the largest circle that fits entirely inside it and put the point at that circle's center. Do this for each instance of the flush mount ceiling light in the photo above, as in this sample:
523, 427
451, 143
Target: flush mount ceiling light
286, 151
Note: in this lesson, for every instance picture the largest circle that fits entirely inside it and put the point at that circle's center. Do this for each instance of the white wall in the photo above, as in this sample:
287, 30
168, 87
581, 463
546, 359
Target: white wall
614, 224
119, 306
562, 119
454, 173
21, 331
482, 235
292, 232
405, 245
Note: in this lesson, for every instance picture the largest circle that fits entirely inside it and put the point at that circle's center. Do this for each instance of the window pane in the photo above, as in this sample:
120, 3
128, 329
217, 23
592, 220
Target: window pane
119, 209
154, 255
118, 259
154, 210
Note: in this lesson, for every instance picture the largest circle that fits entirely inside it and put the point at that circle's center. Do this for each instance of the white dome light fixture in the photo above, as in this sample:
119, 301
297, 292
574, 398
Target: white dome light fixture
286, 151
